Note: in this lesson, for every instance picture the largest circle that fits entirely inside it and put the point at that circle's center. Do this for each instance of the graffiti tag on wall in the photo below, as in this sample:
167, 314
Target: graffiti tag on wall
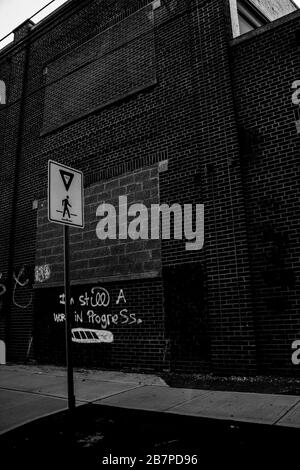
91, 308
86, 335
42, 273
21, 284
21, 288
21, 297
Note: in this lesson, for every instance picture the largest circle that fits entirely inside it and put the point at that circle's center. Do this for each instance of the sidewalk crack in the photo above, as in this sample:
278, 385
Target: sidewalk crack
288, 411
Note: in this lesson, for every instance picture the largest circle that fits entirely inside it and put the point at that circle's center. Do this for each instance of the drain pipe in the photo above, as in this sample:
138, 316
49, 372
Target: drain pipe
23, 32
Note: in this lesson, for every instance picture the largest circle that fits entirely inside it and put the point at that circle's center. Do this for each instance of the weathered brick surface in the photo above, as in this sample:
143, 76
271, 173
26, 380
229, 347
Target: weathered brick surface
270, 162
92, 258
133, 314
203, 99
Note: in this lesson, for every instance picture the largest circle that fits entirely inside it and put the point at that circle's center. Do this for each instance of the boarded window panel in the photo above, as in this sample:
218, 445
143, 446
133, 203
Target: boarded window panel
114, 64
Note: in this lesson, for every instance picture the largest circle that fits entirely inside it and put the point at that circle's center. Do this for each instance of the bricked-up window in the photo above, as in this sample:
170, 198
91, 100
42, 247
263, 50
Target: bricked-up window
114, 64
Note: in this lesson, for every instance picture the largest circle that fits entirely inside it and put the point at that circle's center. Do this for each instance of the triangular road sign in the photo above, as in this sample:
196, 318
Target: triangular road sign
67, 178
65, 195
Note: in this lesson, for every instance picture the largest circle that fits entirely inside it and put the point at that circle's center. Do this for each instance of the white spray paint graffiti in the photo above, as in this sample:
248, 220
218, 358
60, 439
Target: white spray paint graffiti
42, 273
121, 296
86, 335
19, 283
89, 309
100, 298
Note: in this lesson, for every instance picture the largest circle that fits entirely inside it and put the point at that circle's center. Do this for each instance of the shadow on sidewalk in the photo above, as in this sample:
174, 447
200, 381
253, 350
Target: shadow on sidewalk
95, 434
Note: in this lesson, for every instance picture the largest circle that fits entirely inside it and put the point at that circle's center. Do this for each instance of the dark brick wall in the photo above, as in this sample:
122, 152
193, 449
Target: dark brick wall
112, 65
16, 250
132, 312
91, 257
264, 67
188, 116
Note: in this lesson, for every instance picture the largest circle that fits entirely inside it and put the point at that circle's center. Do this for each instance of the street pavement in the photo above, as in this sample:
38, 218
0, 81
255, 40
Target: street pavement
31, 392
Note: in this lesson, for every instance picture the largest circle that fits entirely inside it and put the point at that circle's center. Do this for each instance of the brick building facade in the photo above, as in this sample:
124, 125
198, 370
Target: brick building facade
157, 102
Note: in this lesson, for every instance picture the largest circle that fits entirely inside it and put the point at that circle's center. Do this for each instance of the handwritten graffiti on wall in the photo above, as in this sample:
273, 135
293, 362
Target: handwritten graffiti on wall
296, 102
21, 288
42, 273
89, 308
21, 283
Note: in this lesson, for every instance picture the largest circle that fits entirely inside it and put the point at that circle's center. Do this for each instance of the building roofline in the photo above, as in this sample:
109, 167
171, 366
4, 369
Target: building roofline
265, 28
38, 28
293, 3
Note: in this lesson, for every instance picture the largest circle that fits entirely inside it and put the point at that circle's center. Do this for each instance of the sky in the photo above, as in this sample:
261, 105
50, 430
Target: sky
14, 12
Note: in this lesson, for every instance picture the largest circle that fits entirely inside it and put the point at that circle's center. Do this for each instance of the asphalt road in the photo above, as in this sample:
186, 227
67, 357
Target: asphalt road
97, 435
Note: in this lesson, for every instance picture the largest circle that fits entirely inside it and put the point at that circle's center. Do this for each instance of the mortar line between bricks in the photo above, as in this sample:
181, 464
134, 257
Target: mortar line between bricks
286, 412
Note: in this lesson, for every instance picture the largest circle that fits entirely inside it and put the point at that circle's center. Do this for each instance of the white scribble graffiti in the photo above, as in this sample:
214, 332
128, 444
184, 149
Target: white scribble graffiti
42, 273
102, 297
19, 283
85, 335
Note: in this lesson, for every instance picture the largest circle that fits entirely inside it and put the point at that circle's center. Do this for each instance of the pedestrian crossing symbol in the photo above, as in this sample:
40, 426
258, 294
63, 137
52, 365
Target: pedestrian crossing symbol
65, 195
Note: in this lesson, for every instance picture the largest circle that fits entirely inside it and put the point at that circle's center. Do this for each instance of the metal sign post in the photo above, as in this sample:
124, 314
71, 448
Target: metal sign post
71, 396
65, 206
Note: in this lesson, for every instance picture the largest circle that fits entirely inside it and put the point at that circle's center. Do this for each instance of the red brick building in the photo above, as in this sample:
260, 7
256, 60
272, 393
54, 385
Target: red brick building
162, 102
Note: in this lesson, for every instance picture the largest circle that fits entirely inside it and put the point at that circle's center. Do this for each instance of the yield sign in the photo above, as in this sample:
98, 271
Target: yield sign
67, 178
65, 195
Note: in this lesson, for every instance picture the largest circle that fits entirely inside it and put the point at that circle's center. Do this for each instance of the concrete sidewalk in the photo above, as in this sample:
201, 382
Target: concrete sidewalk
31, 392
